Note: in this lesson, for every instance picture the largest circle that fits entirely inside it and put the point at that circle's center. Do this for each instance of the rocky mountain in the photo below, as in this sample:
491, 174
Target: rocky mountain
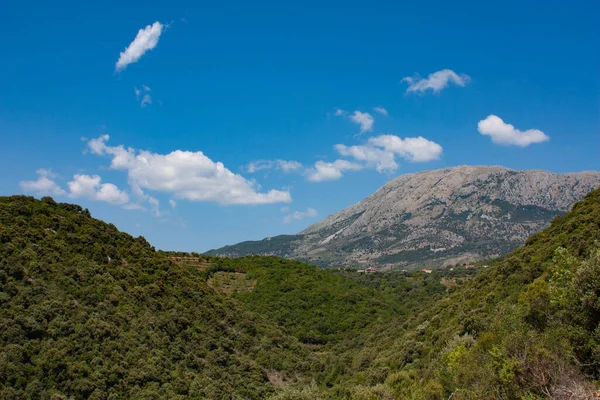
433, 218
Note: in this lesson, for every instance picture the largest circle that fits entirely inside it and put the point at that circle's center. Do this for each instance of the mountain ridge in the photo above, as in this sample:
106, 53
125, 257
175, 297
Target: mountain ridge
437, 217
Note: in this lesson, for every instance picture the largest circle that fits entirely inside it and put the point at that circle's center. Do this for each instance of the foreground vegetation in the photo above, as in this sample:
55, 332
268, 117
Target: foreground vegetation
89, 312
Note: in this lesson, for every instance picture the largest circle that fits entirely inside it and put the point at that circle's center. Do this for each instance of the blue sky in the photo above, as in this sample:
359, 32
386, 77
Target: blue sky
242, 120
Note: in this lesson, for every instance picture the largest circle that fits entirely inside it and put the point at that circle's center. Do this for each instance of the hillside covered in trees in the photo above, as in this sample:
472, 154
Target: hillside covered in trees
89, 312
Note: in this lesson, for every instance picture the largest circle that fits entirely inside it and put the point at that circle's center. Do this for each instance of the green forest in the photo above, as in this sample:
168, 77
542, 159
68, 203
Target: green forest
88, 312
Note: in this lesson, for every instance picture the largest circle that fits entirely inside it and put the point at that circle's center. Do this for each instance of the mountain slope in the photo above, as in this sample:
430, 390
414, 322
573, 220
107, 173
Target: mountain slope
525, 327
428, 218
87, 311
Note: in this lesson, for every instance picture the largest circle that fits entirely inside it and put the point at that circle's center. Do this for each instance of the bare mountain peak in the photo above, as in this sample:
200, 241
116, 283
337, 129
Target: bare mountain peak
439, 216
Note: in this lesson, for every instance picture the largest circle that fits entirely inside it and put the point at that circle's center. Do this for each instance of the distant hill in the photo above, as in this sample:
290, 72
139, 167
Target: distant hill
433, 218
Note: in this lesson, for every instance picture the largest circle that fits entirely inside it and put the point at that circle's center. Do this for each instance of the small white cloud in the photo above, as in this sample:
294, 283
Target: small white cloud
279, 165
327, 171
146, 99
416, 149
380, 152
284, 209
383, 160
365, 120
145, 40
506, 134
44, 185
185, 174
143, 95
299, 215
381, 110
288, 166
436, 81
86, 186
172, 203
89, 186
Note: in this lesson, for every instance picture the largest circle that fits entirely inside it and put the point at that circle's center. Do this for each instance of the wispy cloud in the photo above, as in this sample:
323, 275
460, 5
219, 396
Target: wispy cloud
299, 215
370, 156
364, 119
436, 81
279, 165
506, 134
146, 39
381, 110
329, 171
185, 175
142, 94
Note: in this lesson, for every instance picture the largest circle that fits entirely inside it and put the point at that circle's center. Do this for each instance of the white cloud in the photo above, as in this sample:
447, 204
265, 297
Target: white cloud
143, 95
372, 156
172, 203
436, 81
185, 174
146, 99
280, 165
145, 198
44, 185
287, 166
326, 171
380, 152
381, 110
506, 134
416, 149
146, 39
298, 215
89, 186
365, 120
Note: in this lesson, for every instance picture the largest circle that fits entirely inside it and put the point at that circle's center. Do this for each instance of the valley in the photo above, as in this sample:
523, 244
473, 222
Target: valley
90, 312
